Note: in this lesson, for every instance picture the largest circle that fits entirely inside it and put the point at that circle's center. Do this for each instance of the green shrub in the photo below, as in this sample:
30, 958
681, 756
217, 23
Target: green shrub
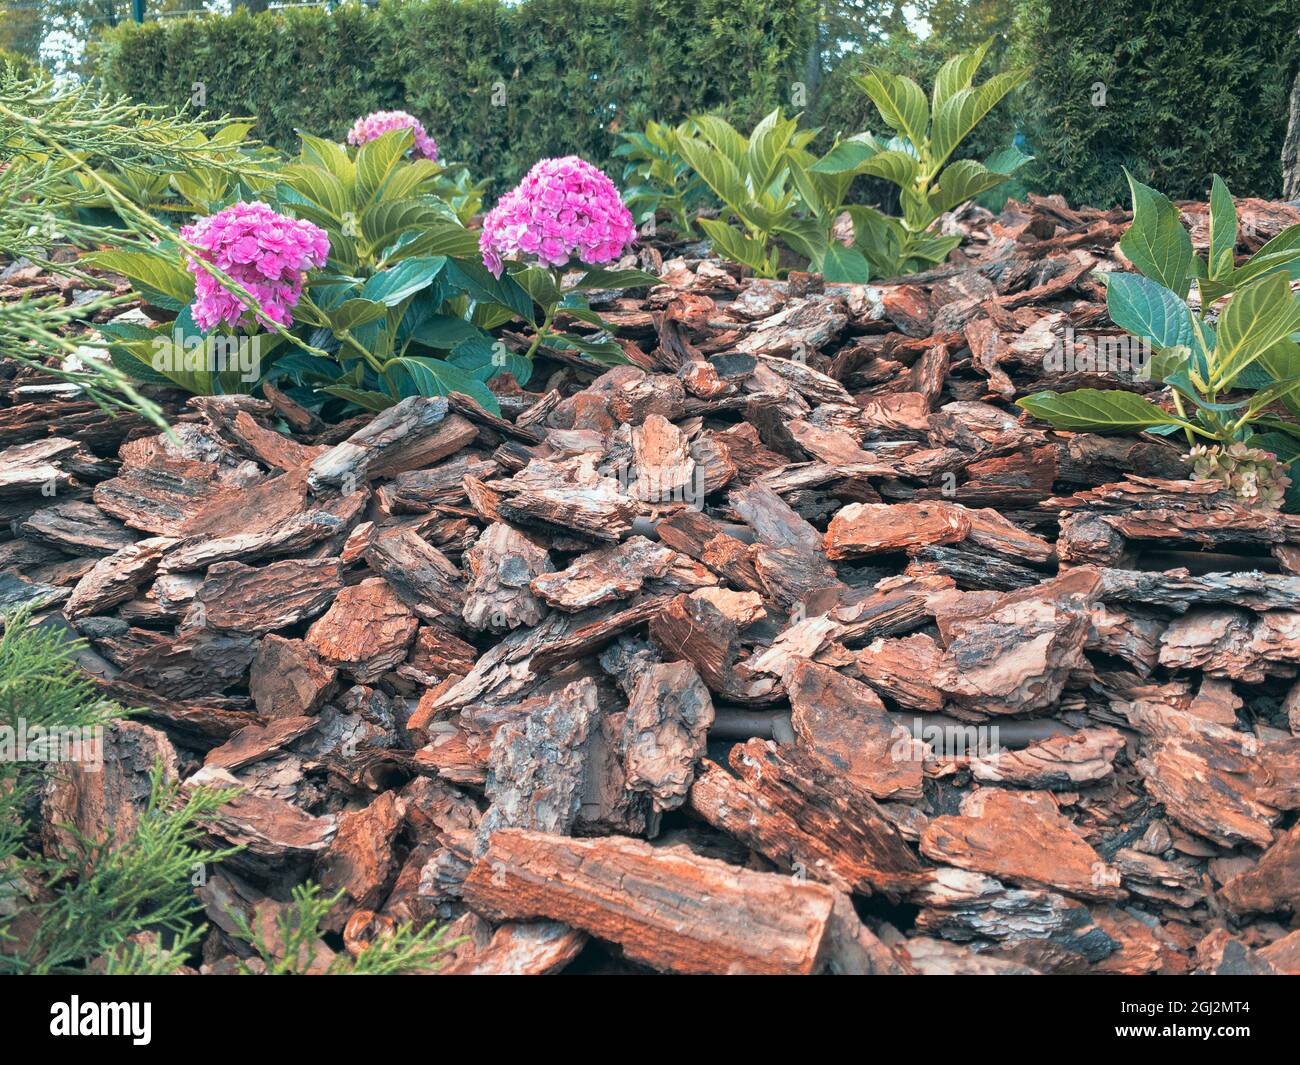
60, 912
918, 158
1233, 378
1189, 89
498, 86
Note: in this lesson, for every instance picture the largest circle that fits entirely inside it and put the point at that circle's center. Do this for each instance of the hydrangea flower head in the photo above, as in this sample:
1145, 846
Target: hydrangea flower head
268, 253
562, 208
377, 123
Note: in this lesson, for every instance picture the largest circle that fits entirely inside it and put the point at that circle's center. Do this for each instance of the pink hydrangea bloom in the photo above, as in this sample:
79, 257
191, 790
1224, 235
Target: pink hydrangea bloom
377, 123
562, 208
267, 253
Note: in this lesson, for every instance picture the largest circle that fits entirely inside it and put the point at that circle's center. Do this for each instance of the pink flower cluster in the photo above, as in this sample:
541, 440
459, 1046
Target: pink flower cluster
563, 207
377, 123
265, 252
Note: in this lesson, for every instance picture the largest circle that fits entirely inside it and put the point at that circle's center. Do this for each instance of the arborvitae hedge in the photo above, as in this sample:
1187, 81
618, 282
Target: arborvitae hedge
1191, 89
570, 72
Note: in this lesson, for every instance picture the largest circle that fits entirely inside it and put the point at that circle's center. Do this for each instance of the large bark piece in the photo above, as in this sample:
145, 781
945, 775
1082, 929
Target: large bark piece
502, 564
1058, 763
1209, 788
845, 724
1031, 926
567, 500
360, 861
788, 556
117, 577
538, 764
263, 599
1017, 655
1020, 837
396, 440
420, 574
665, 907
366, 632
871, 529
668, 718
100, 790
288, 678
618, 573
1225, 642
791, 809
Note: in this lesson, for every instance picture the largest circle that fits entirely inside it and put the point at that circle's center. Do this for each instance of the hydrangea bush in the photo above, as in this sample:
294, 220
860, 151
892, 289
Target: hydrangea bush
268, 253
377, 123
563, 209
565, 212
368, 283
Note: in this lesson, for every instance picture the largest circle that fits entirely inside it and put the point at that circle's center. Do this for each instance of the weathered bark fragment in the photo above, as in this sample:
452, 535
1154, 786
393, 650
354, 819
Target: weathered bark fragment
666, 907
668, 718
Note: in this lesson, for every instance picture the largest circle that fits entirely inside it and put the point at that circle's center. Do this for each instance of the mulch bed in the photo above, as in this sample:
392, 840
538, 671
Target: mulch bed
792, 646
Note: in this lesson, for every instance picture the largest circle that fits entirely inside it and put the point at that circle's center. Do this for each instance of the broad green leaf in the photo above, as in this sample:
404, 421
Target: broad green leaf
1223, 231
147, 269
421, 376
1287, 240
1156, 243
320, 187
604, 351
445, 238
962, 112
485, 362
822, 194
1258, 316
231, 133
805, 236
735, 245
539, 283
363, 398
1281, 363
598, 278
1147, 309
408, 277
721, 135
845, 264
355, 312
957, 74
1095, 410
900, 101
376, 160
477, 280
929, 248
1007, 160
1261, 265
766, 149
444, 331
847, 156
410, 178
718, 171
880, 238
384, 223
316, 151
179, 353
962, 181
898, 167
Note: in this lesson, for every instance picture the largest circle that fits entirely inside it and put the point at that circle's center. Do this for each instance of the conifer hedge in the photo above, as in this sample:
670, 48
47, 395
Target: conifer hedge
1175, 91
498, 86
1190, 88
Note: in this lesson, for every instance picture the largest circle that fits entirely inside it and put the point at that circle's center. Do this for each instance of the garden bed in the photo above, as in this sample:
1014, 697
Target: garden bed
790, 646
